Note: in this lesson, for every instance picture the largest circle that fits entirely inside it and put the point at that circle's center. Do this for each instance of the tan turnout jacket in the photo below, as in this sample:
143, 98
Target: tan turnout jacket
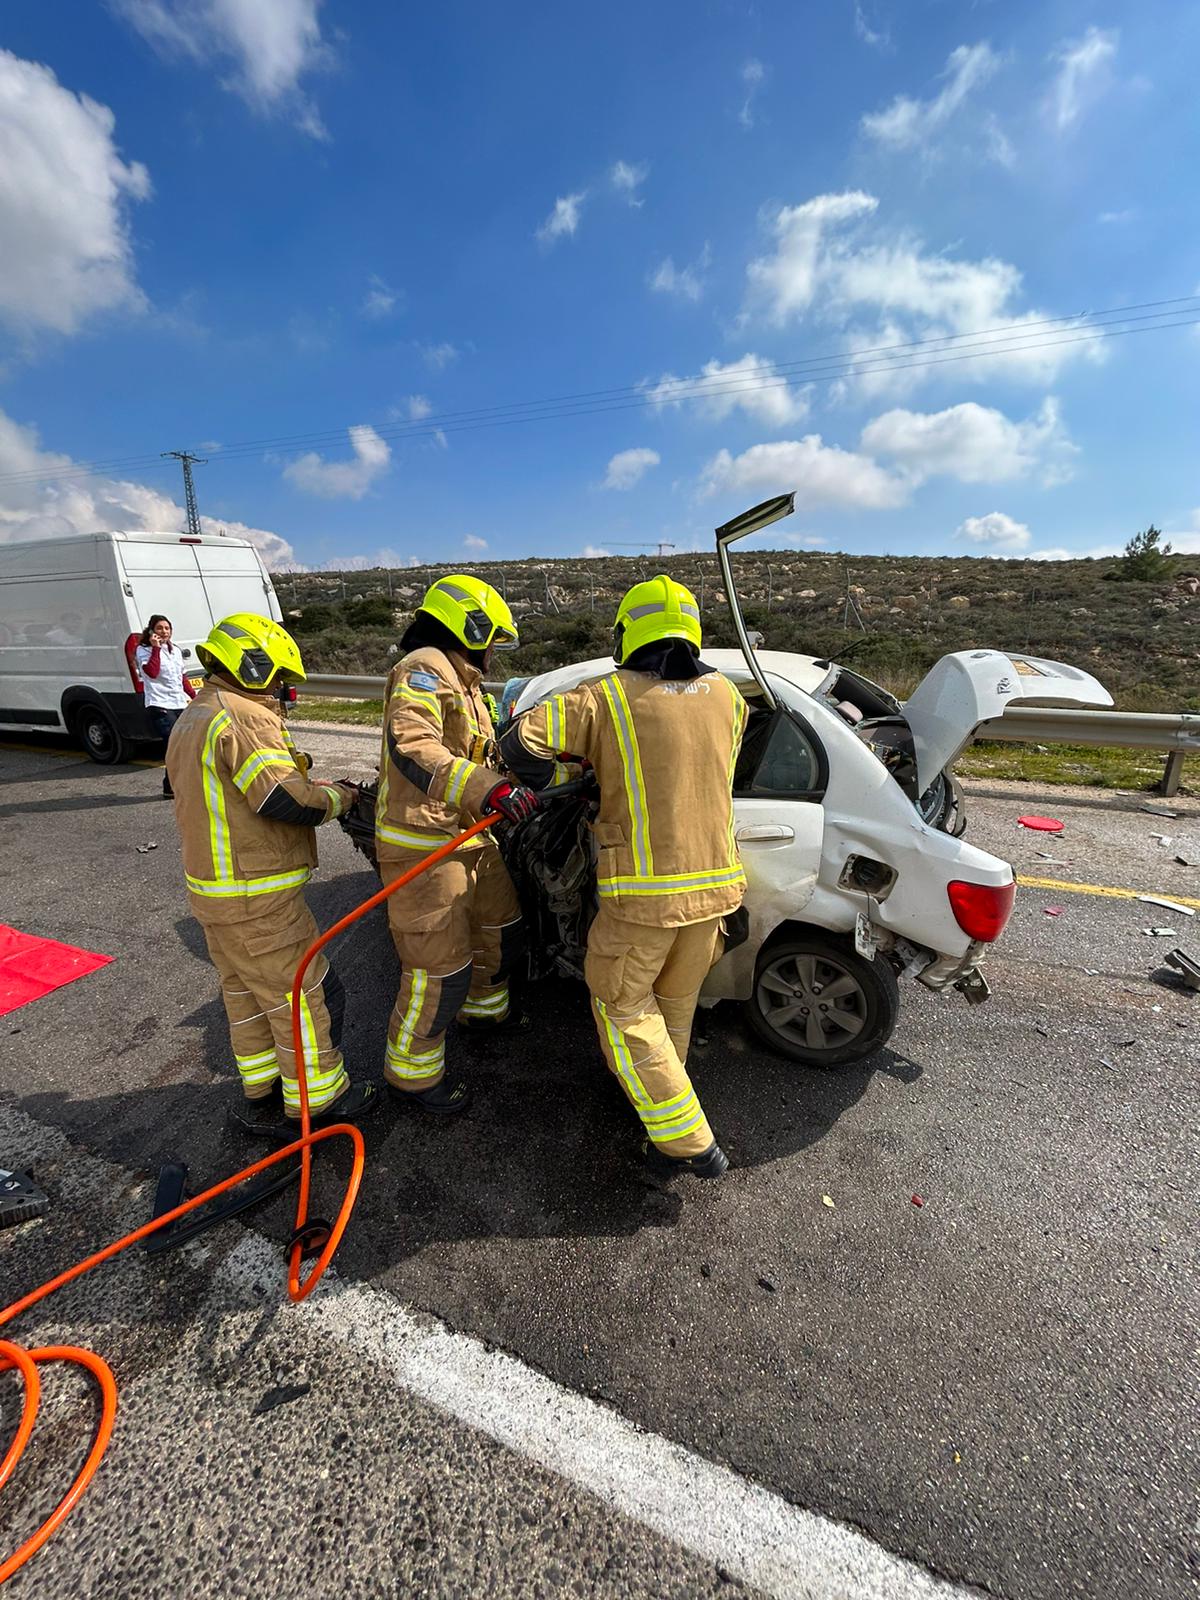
245, 805
433, 772
664, 752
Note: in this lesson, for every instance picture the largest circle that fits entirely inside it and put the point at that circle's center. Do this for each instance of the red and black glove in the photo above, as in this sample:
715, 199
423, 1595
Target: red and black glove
513, 801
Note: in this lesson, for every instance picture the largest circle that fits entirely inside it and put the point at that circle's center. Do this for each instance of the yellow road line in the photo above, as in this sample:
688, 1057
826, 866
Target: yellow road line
1099, 888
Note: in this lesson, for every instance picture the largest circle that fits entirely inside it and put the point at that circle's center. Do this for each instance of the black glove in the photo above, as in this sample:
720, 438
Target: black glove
513, 801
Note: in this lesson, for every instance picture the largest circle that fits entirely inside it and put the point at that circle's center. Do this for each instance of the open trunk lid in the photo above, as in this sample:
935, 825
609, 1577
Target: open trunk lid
972, 686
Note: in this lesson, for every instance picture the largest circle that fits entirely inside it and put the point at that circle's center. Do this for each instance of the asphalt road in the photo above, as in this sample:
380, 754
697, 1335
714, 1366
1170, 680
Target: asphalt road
999, 1386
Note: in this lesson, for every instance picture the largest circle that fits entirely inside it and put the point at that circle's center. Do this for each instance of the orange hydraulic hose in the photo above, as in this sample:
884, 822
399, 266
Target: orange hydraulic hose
13, 1357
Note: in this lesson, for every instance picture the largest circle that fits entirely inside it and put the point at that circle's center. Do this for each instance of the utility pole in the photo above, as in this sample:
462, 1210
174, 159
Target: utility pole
189, 488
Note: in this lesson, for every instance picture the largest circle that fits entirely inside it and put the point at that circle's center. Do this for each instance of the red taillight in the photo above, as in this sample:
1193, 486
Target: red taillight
981, 909
191, 541
131, 645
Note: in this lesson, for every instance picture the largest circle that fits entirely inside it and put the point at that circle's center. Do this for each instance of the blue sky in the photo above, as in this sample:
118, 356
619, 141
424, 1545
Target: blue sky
312, 238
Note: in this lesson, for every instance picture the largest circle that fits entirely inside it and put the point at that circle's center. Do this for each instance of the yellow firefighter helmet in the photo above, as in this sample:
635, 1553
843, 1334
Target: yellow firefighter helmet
660, 608
253, 650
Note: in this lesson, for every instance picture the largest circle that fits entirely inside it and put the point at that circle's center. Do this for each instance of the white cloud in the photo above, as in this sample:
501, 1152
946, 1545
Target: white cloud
64, 191
877, 38
474, 542
338, 480
974, 443
1185, 541
437, 357
270, 44
821, 475
416, 408
627, 179
1117, 218
629, 467
687, 282
1084, 73
783, 284
753, 76
592, 552
57, 503
752, 385
380, 298
1061, 553
996, 529
563, 220
817, 269
908, 124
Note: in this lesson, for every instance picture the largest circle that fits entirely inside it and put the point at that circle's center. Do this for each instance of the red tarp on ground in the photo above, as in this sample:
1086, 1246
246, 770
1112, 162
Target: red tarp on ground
31, 967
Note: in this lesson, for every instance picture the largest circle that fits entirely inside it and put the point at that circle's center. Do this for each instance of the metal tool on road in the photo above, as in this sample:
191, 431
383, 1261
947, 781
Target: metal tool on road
312, 1236
20, 1198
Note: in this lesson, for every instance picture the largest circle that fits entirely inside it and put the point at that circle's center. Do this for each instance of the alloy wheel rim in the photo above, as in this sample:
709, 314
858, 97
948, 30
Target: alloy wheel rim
812, 1000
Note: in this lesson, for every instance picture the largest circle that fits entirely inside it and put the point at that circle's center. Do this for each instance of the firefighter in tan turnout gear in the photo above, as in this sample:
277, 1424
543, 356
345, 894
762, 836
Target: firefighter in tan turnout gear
246, 810
662, 734
456, 928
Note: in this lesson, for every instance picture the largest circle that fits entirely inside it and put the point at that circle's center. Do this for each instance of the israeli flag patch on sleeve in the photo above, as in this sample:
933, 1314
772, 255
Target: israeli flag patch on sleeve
422, 680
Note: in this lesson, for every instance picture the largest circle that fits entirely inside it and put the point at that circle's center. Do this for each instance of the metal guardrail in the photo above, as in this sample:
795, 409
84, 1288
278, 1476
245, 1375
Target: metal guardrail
1176, 734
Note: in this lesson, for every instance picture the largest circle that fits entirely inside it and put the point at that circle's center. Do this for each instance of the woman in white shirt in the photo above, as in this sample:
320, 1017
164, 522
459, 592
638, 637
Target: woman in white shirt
164, 685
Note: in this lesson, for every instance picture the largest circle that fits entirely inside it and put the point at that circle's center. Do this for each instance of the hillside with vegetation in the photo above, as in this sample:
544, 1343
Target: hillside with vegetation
1137, 628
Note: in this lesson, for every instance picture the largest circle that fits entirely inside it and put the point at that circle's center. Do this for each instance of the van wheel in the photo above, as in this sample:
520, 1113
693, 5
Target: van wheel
98, 733
817, 1001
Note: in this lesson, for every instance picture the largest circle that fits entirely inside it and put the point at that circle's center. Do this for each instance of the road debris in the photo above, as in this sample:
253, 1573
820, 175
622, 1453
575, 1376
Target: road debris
283, 1394
1167, 905
1187, 968
1054, 861
765, 1283
1158, 811
917, 1201
1192, 859
1159, 933
826, 1201
705, 1270
145, 849
1162, 839
1040, 824
1052, 911
20, 1198
1107, 1064
1092, 972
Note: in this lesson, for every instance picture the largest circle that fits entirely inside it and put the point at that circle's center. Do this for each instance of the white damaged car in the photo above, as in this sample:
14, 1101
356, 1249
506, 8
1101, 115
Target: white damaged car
849, 827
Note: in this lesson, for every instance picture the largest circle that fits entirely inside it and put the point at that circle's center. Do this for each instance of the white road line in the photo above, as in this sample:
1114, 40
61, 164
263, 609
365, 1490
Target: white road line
753, 1534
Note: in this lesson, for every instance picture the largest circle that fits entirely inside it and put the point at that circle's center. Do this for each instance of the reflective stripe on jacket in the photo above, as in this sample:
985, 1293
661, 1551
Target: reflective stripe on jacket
664, 751
245, 805
433, 776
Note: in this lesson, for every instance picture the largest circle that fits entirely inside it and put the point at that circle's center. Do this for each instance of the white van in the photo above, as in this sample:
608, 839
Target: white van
72, 611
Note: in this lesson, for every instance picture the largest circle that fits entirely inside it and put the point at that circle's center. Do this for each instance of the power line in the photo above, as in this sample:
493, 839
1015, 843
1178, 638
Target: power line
847, 366
944, 348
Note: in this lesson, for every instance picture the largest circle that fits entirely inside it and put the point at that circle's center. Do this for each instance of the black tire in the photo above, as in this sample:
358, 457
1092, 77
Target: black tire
98, 733
796, 970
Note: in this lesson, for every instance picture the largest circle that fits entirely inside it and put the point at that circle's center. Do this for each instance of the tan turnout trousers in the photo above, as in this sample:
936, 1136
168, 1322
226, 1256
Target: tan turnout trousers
256, 961
456, 930
644, 984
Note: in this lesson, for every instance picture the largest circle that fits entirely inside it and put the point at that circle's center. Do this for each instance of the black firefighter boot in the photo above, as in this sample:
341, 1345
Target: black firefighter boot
447, 1098
710, 1163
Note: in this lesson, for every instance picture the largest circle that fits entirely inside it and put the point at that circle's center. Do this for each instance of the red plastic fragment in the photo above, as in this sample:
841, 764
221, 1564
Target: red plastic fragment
917, 1201
1041, 824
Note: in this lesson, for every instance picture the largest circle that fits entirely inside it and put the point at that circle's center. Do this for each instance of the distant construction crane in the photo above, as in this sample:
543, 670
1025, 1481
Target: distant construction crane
189, 488
660, 546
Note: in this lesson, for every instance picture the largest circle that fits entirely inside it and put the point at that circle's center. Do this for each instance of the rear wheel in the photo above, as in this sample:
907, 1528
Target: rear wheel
817, 1001
98, 733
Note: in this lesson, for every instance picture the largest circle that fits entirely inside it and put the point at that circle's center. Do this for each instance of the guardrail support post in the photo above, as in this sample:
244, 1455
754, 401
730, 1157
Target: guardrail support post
1172, 773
